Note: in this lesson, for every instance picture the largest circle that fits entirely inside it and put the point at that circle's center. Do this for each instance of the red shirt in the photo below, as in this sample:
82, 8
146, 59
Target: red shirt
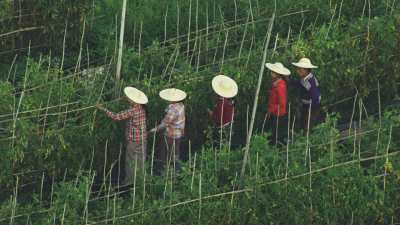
136, 124
222, 114
277, 98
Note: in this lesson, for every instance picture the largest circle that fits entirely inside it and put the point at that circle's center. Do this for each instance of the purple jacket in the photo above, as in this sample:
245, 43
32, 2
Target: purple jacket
310, 93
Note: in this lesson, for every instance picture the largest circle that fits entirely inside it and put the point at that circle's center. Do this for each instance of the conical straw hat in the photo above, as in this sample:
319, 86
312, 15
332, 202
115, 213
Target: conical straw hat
224, 86
135, 95
172, 95
305, 63
278, 68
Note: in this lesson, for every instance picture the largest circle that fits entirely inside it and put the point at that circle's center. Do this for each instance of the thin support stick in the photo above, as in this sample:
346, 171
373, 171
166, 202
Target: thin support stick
246, 154
121, 40
188, 35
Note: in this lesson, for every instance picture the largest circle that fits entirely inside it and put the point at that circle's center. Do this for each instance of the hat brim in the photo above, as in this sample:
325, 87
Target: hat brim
232, 92
281, 71
305, 66
135, 95
173, 95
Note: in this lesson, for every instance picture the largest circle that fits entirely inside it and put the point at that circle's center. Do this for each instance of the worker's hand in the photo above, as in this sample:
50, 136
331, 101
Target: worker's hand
100, 107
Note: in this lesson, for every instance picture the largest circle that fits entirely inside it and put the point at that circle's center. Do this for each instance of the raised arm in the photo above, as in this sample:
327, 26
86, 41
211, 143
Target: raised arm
123, 115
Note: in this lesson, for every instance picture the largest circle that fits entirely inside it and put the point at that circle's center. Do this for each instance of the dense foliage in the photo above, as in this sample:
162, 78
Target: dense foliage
57, 149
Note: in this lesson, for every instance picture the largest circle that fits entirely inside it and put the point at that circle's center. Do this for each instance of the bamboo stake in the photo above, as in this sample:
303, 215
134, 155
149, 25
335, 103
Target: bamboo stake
216, 49
188, 35
144, 192
340, 12
41, 190
63, 53
380, 122
78, 63
246, 154
194, 170
121, 41
134, 185
250, 50
52, 190
234, 1
63, 214
169, 61
231, 205
387, 159
14, 201
165, 25
200, 197
153, 152
352, 113
21, 30
119, 165
356, 131
207, 28
197, 17
140, 37
177, 22
244, 35
105, 163
21, 97
173, 67
193, 52
11, 67
198, 57
287, 144
223, 51
134, 35
308, 136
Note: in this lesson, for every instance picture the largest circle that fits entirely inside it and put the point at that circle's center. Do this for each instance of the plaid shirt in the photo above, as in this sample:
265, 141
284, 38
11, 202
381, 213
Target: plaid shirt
174, 121
135, 126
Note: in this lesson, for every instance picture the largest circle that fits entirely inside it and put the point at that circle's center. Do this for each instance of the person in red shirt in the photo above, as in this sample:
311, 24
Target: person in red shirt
135, 132
224, 109
277, 102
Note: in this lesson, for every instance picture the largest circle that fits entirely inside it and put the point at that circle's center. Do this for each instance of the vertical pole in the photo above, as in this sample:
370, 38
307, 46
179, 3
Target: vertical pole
121, 41
250, 130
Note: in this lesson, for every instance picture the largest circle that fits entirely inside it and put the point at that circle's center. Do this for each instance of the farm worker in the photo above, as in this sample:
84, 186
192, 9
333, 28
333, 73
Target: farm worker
224, 109
135, 133
276, 112
173, 125
310, 93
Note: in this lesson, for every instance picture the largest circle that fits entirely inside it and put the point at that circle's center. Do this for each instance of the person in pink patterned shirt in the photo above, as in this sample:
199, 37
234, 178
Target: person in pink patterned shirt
135, 132
173, 126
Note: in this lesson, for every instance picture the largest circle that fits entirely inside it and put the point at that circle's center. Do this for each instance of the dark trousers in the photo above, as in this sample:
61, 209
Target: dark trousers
314, 116
222, 136
278, 127
134, 160
170, 152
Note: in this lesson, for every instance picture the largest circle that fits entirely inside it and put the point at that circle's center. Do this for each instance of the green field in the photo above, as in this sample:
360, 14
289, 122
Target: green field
62, 160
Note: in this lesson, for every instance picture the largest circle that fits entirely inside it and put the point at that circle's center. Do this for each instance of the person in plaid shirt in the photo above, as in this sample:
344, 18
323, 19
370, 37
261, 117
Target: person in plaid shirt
173, 125
135, 132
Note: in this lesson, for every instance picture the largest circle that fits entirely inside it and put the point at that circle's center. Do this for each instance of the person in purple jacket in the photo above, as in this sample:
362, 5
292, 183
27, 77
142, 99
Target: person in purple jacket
310, 93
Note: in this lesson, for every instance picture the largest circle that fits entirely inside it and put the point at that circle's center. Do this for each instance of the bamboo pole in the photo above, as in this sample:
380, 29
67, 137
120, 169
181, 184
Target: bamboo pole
188, 35
121, 41
246, 154
78, 63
